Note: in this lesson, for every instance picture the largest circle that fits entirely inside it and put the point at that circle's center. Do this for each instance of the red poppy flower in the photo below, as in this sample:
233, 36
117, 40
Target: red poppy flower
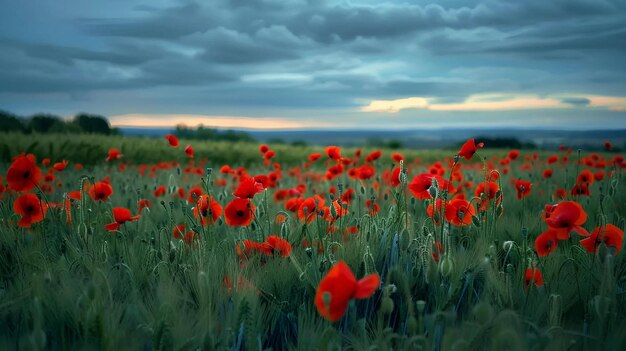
279, 245
547, 173
189, 151
100, 191
269, 154
60, 166
31, 208
333, 152
247, 248
293, 204
114, 154
566, 217
172, 139
534, 275
143, 203
546, 242
179, 231
598, 176
308, 208
469, 149
194, 194
373, 207
488, 188
421, 184
23, 174
394, 179
434, 209
397, 157
340, 210
248, 187
581, 189
314, 157
459, 212
353, 173
121, 216
523, 188
375, 155
239, 212
608, 145
586, 176
366, 172
513, 154
159, 191
263, 148
49, 177
560, 194
338, 287
207, 208
72, 195
552, 159
612, 236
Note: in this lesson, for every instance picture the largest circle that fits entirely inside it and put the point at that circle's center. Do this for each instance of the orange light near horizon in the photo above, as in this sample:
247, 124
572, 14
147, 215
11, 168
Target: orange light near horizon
494, 102
169, 121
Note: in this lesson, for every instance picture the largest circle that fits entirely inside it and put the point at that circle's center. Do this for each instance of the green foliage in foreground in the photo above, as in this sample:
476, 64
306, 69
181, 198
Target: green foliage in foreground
79, 287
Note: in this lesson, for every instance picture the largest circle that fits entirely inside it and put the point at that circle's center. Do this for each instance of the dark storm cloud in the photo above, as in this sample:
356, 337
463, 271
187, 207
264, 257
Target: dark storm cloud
171, 23
231, 47
307, 53
122, 54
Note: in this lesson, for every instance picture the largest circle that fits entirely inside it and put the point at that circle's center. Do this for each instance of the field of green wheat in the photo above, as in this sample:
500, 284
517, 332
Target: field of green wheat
158, 243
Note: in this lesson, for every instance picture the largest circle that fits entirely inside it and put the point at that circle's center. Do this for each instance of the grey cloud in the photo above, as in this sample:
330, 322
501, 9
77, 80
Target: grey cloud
203, 54
170, 23
577, 101
122, 54
228, 46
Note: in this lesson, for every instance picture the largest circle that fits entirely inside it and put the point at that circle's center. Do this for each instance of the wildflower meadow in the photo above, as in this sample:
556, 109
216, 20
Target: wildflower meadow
126, 243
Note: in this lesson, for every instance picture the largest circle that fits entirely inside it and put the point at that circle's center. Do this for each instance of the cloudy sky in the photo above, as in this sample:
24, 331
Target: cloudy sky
319, 63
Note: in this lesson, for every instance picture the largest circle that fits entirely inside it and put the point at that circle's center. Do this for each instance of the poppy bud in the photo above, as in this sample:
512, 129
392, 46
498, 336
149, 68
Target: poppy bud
483, 313
507, 339
386, 306
421, 306
476, 221
446, 267
555, 310
411, 325
433, 192
603, 251
403, 177
172, 255
601, 305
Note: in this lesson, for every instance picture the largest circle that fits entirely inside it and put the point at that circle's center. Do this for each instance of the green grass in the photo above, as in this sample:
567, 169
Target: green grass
77, 286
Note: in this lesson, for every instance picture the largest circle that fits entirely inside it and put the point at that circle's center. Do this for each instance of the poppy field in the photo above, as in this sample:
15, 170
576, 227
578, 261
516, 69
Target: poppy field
160, 243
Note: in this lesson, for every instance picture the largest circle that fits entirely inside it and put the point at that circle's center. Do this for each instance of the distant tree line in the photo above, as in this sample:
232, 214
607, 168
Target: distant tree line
504, 143
49, 123
204, 133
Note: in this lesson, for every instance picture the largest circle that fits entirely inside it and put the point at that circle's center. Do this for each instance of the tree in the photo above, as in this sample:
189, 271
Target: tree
89, 123
10, 122
44, 123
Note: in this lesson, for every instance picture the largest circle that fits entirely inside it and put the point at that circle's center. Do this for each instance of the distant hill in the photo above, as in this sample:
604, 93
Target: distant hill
425, 138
